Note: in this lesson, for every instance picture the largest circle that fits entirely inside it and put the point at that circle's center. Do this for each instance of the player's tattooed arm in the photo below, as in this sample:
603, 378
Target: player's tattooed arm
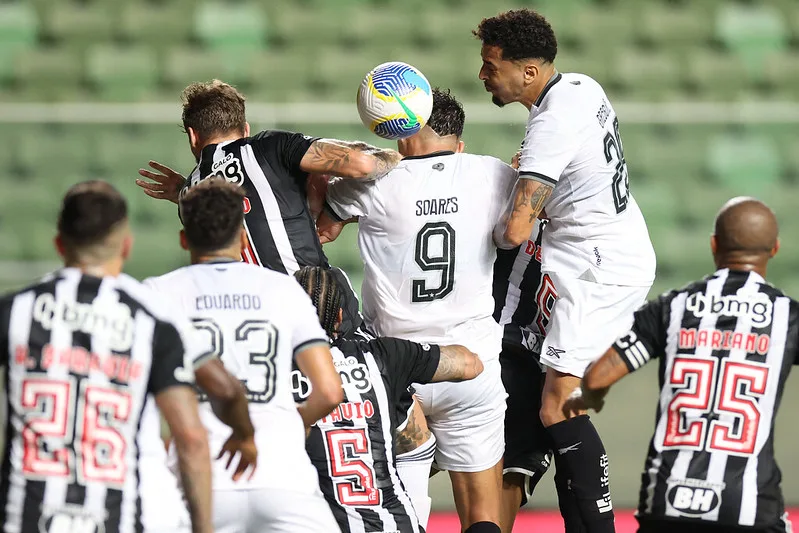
178, 405
415, 433
349, 159
457, 363
529, 197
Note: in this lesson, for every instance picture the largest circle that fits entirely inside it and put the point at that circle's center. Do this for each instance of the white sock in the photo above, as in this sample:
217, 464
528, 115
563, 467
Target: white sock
413, 468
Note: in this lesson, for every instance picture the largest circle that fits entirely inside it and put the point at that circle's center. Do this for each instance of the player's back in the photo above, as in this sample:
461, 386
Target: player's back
82, 355
248, 315
428, 248
574, 144
728, 344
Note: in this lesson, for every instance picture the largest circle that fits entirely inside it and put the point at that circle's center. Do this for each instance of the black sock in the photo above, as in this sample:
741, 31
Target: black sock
581, 451
569, 509
483, 527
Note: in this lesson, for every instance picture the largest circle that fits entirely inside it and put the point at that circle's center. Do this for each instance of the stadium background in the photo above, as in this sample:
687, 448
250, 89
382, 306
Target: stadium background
706, 91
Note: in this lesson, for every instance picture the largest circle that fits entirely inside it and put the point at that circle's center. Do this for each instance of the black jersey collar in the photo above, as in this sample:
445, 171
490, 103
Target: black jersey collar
427, 156
552, 81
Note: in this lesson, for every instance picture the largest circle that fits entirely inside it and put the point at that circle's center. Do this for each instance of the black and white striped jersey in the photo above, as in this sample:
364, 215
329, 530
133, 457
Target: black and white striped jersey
353, 447
281, 231
523, 297
82, 355
725, 346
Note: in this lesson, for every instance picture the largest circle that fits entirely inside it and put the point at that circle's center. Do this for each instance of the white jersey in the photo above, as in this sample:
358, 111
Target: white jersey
256, 320
425, 235
596, 231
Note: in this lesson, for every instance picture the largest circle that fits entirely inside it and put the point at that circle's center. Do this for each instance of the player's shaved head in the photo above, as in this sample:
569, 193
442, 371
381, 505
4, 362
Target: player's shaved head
746, 232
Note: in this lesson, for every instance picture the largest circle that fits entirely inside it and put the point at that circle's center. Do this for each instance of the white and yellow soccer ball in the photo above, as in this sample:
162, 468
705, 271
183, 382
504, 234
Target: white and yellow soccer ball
395, 100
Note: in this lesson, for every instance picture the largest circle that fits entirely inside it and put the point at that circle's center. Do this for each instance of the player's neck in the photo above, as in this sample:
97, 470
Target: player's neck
111, 268
547, 74
216, 139
228, 255
744, 266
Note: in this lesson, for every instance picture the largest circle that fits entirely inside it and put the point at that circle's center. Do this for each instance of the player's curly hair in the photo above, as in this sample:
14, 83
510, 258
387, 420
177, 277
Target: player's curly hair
325, 293
448, 116
212, 108
212, 213
520, 34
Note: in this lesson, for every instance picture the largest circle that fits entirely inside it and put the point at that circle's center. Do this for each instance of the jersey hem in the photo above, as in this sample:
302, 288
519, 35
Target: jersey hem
310, 344
537, 176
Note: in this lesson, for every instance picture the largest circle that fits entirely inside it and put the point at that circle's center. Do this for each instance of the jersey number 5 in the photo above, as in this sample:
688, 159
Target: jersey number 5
621, 180
435, 251
735, 428
353, 478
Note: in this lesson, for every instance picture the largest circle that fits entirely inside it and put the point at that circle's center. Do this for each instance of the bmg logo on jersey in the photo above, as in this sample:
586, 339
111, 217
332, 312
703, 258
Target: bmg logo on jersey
353, 374
693, 497
755, 306
67, 521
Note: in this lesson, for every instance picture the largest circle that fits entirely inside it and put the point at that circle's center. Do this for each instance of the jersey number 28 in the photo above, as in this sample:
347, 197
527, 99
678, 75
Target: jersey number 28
621, 180
435, 252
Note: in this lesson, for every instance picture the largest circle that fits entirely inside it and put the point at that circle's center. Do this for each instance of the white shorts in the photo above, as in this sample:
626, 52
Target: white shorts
271, 511
468, 420
586, 319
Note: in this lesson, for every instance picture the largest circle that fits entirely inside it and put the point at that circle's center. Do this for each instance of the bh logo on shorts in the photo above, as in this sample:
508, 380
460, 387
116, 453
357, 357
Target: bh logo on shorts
693, 497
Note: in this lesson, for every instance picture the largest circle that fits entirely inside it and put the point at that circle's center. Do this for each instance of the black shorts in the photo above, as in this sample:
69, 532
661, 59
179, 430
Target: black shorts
654, 525
527, 446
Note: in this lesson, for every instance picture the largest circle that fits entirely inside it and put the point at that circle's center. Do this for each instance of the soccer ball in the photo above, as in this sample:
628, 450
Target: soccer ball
395, 100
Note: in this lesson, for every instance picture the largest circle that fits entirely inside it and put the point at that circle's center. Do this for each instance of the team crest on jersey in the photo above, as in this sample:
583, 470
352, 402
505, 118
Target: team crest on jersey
70, 519
693, 497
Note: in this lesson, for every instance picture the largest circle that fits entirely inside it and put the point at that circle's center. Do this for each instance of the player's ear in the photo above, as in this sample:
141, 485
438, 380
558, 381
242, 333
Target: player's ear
461, 147
531, 72
243, 241
194, 139
713, 244
339, 318
246, 129
59, 245
184, 243
127, 245
775, 249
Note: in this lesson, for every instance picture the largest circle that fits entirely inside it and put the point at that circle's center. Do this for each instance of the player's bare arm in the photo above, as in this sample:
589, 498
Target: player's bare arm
529, 197
599, 376
329, 229
348, 159
457, 363
414, 434
178, 405
230, 405
165, 185
316, 363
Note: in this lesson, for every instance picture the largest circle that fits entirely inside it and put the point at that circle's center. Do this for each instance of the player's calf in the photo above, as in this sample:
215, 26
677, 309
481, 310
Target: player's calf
580, 453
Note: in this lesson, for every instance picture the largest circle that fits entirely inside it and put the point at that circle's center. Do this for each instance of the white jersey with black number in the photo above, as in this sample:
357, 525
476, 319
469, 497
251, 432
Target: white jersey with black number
596, 230
425, 235
256, 320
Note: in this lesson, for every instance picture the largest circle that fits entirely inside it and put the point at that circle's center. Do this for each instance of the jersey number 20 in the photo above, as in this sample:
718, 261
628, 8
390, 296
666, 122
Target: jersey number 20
435, 251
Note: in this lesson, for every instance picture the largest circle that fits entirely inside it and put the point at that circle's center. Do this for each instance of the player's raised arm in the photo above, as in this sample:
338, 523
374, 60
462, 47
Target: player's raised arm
178, 405
527, 202
348, 159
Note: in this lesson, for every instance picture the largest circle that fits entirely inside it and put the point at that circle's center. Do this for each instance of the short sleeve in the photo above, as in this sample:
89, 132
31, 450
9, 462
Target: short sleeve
647, 337
287, 148
406, 362
305, 328
347, 198
170, 356
550, 143
504, 178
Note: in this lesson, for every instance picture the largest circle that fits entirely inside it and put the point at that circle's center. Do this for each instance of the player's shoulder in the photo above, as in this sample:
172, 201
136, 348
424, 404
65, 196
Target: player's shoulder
168, 279
146, 296
267, 137
570, 94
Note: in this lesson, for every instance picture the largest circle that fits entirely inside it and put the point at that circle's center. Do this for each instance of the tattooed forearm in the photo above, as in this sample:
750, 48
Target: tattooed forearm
457, 364
349, 159
605, 372
529, 198
538, 199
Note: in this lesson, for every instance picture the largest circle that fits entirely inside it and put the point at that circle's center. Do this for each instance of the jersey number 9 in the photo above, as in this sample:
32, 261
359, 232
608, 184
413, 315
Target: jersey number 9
435, 251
